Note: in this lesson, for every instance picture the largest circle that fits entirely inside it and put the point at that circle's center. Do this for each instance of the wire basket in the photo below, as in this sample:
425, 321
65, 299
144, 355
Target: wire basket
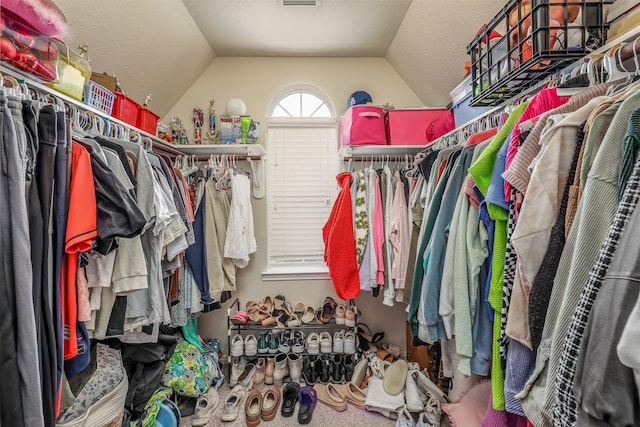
99, 97
529, 40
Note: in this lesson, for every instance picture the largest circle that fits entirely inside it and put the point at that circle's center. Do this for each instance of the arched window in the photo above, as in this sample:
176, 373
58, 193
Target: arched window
302, 163
301, 104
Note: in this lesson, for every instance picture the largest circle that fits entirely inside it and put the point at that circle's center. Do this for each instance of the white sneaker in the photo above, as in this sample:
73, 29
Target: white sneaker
236, 369
415, 402
232, 404
250, 345
313, 344
325, 342
432, 414
350, 342
338, 342
237, 346
205, 407
404, 418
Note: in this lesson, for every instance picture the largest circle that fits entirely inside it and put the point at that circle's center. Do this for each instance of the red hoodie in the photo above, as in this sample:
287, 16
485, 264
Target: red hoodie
340, 243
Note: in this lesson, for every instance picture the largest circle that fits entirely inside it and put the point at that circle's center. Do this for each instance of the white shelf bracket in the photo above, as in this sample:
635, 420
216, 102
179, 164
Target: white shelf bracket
258, 177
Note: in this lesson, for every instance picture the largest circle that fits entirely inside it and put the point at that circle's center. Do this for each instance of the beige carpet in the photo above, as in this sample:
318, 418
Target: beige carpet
322, 416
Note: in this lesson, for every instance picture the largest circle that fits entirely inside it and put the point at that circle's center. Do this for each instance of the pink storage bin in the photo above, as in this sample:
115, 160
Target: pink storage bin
417, 126
363, 125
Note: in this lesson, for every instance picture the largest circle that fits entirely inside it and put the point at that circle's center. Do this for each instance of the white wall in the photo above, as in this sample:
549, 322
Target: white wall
257, 81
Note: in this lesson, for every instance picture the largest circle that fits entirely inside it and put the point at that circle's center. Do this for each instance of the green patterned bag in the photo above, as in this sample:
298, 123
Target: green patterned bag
187, 372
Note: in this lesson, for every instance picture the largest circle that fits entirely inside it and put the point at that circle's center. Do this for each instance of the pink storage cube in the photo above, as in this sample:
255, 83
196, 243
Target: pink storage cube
363, 125
417, 126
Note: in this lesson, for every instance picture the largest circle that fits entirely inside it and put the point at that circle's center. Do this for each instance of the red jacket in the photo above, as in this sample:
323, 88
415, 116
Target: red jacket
340, 243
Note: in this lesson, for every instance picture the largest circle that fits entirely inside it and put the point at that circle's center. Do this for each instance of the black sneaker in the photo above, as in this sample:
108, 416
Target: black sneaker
323, 369
349, 366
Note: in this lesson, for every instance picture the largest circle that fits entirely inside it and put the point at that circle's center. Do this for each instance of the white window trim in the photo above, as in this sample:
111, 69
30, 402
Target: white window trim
297, 273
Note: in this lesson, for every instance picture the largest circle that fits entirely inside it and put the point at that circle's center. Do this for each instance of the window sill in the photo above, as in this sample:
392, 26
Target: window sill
295, 273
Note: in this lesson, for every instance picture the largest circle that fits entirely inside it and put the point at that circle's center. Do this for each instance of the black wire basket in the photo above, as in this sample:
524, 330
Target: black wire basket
528, 40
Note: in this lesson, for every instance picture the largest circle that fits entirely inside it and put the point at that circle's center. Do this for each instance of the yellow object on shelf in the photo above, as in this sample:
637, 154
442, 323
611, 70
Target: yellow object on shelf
73, 73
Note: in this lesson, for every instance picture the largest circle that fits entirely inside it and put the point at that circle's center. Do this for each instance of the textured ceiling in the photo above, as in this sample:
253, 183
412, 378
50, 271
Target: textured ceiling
153, 46
430, 47
266, 28
163, 46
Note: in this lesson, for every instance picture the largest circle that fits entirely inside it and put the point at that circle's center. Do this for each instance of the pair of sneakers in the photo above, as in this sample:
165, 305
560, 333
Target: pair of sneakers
346, 315
291, 341
344, 342
247, 346
268, 343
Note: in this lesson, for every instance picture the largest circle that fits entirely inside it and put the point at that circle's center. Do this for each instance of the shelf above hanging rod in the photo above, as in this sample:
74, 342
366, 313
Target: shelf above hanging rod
45, 90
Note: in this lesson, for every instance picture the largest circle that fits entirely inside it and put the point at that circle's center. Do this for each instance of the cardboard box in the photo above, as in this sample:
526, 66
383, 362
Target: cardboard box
105, 80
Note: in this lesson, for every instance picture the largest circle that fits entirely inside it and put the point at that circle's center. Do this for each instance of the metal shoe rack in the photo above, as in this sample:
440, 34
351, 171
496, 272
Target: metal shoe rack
233, 329
523, 45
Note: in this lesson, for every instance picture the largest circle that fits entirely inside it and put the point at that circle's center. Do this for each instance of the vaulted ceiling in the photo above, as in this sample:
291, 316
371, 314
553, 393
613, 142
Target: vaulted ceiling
162, 46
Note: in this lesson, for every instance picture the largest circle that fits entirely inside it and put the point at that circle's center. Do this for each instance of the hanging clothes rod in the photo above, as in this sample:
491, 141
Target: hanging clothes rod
46, 91
235, 157
378, 159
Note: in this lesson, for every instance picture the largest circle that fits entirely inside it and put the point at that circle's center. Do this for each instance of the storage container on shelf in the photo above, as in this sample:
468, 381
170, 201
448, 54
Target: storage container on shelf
125, 109
99, 97
461, 96
363, 125
26, 49
417, 126
147, 120
73, 72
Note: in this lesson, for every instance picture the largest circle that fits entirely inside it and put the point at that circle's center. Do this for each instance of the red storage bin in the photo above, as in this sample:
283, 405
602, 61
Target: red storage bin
125, 109
147, 120
363, 125
417, 126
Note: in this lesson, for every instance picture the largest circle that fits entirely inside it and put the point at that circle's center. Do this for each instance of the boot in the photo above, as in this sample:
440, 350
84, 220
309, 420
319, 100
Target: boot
322, 369
295, 367
281, 369
268, 371
348, 367
337, 369
309, 369
259, 376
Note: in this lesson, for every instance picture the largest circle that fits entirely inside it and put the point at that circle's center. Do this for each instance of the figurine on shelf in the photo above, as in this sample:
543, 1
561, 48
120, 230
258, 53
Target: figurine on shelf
178, 131
147, 100
198, 121
212, 132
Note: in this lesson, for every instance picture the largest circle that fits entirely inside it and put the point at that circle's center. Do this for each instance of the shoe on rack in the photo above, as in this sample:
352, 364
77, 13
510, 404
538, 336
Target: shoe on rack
309, 315
340, 314
295, 367
236, 369
263, 344
308, 400
313, 344
268, 305
323, 369
337, 368
338, 342
239, 318
281, 369
326, 312
273, 342
289, 399
270, 402
205, 407
325, 342
405, 419
232, 404
250, 345
350, 342
253, 408
268, 370
309, 369
285, 341
347, 360
237, 345
246, 377
351, 316
259, 376
298, 345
